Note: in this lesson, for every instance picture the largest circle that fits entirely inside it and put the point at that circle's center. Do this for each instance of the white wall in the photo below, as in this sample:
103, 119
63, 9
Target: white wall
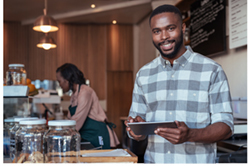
234, 63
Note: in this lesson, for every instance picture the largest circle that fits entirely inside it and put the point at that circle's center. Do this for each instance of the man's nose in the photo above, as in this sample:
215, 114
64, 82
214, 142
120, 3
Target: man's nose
165, 35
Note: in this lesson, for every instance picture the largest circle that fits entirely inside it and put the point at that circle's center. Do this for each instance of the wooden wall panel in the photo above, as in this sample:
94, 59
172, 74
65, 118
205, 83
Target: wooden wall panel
85, 46
41, 63
35, 69
82, 45
119, 73
120, 48
73, 45
15, 46
50, 59
103, 52
97, 55
119, 98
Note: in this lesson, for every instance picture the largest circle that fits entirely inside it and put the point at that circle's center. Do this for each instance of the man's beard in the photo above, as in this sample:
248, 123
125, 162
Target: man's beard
176, 48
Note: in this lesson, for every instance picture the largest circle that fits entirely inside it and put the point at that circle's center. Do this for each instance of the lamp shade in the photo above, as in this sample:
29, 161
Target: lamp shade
46, 43
45, 24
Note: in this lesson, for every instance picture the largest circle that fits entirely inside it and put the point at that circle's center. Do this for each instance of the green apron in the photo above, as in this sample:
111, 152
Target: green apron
94, 131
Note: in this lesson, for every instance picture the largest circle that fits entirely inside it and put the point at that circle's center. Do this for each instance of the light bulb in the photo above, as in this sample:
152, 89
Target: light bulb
46, 46
45, 28
93, 6
114, 22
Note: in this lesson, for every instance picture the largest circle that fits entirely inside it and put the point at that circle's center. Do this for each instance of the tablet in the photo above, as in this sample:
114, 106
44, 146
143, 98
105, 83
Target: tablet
148, 128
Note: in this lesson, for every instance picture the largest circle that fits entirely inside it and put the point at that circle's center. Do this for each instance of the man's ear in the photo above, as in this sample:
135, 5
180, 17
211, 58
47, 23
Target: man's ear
183, 28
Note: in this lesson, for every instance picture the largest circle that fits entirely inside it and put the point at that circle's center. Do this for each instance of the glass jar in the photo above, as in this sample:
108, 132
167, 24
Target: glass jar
29, 141
16, 75
62, 140
12, 136
8, 124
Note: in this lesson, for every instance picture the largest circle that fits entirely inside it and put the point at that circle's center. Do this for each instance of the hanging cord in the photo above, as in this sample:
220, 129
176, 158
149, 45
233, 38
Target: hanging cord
45, 7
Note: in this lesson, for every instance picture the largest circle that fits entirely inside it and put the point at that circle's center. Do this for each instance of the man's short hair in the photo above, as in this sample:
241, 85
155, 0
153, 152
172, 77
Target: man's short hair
165, 8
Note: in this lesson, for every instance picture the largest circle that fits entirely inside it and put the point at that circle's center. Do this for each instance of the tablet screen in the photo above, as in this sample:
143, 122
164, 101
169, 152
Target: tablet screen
148, 128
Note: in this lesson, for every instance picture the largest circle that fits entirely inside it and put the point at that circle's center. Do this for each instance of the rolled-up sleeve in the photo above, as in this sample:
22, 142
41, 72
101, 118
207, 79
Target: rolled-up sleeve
220, 100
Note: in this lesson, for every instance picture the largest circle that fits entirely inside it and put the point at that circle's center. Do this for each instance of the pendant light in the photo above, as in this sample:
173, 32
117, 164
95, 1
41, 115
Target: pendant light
45, 23
46, 42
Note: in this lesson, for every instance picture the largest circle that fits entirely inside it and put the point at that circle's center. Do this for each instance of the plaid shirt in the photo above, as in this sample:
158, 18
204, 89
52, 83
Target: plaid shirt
195, 90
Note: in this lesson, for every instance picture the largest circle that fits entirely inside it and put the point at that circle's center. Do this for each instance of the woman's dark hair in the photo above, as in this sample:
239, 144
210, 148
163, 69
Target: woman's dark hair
72, 74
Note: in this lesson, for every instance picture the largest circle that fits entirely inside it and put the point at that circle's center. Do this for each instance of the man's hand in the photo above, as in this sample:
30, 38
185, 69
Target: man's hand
175, 135
131, 120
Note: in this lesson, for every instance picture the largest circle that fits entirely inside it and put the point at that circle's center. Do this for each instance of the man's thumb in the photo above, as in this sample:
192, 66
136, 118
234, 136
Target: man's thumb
177, 123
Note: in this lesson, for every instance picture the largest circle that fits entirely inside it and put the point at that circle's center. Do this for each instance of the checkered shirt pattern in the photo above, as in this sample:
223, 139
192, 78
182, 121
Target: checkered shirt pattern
194, 90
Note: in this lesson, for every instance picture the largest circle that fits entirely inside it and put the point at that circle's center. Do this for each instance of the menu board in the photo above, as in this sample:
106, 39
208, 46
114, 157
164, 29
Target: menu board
237, 23
208, 26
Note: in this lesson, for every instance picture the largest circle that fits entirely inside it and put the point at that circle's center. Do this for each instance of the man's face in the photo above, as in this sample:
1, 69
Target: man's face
167, 33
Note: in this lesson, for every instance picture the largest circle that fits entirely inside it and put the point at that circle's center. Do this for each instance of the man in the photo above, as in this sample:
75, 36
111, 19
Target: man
181, 86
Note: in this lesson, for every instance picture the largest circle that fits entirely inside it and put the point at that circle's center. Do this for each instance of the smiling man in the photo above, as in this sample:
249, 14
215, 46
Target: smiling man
181, 86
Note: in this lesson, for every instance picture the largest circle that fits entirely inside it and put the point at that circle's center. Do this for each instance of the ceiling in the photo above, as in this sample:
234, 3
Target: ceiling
79, 11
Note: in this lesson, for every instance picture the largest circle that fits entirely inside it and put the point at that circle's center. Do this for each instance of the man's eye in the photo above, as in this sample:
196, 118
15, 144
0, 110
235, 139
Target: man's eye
156, 32
171, 28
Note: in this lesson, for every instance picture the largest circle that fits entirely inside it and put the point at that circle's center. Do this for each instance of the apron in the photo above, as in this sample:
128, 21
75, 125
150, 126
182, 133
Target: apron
94, 131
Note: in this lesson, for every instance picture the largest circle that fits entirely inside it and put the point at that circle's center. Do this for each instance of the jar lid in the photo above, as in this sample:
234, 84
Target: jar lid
19, 119
62, 123
9, 120
16, 65
32, 121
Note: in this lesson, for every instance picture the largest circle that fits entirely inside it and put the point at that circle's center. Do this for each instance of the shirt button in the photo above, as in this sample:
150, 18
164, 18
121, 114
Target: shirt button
182, 65
171, 94
172, 76
194, 94
170, 113
169, 152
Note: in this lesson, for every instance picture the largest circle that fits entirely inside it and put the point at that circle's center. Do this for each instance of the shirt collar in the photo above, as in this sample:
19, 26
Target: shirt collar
182, 60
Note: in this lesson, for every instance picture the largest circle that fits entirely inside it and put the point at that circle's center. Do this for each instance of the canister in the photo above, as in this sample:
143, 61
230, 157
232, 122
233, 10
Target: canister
61, 141
13, 133
29, 141
16, 75
8, 124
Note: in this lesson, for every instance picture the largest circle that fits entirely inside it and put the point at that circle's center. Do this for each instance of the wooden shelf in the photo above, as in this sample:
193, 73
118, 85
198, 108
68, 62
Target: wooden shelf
186, 20
184, 5
187, 42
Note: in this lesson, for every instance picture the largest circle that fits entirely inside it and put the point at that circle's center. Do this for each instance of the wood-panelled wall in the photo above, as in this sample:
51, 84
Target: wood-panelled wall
103, 52
82, 45
120, 73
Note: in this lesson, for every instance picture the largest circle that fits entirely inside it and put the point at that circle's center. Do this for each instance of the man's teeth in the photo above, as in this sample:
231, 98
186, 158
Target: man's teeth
167, 45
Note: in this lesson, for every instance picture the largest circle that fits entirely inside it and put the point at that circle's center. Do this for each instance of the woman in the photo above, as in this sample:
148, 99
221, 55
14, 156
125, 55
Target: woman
91, 120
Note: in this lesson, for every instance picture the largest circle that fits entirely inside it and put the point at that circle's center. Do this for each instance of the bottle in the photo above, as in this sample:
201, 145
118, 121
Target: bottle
29, 141
16, 75
62, 140
12, 136
24, 76
59, 115
8, 124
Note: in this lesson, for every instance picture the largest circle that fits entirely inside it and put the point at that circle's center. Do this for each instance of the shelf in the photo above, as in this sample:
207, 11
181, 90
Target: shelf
184, 5
187, 42
186, 20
